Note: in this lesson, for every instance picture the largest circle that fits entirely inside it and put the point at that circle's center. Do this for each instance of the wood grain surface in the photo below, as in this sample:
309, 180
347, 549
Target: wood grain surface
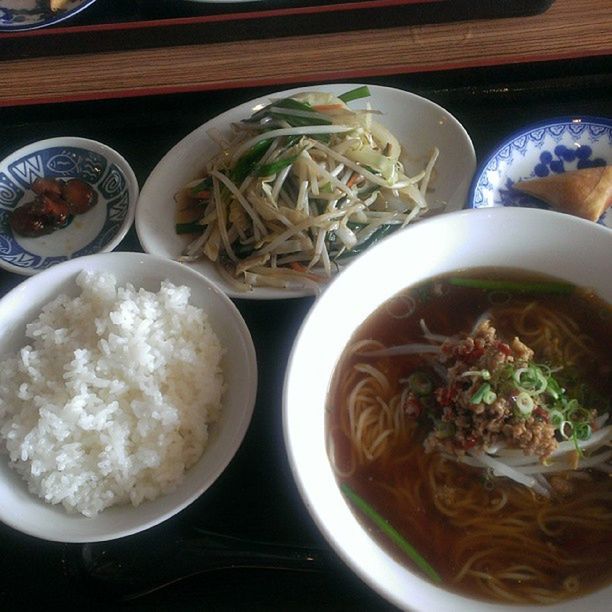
569, 29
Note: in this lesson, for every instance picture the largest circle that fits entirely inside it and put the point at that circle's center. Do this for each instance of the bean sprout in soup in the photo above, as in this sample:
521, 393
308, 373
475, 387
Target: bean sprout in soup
471, 413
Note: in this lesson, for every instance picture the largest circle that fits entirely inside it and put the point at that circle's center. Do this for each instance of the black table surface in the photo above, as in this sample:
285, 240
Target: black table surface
255, 499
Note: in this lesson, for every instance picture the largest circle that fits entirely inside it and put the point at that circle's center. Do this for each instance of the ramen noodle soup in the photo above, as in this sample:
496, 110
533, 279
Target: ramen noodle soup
468, 426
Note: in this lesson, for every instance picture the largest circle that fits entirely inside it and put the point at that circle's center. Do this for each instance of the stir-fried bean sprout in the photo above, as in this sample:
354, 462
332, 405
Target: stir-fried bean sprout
301, 186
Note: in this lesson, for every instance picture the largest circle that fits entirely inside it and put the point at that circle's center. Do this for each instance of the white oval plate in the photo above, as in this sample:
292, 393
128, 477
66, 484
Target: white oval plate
418, 123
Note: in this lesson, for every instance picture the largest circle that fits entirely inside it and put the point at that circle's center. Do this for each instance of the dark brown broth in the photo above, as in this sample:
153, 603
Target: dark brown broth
448, 310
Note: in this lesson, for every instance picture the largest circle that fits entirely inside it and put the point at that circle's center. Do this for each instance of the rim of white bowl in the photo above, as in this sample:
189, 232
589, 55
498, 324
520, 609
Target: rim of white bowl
317, 485
162, 508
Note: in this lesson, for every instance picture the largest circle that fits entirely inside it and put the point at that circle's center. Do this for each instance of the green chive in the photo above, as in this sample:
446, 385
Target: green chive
244, 166
355, 94
274, 167
392, 533
203, 185
189, 228
513, 286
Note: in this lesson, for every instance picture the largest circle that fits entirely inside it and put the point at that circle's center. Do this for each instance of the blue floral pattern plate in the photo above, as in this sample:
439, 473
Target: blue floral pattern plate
98, 230
549, 147
16, 15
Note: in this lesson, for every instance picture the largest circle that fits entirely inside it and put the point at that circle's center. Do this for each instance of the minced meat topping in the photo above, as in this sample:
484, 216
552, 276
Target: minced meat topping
495, 395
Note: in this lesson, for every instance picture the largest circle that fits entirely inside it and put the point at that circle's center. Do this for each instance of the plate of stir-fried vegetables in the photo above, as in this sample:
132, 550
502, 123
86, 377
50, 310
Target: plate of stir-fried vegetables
272, 198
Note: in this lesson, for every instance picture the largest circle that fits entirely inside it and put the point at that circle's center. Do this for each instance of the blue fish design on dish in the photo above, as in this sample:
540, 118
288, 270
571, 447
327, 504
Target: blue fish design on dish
64, 163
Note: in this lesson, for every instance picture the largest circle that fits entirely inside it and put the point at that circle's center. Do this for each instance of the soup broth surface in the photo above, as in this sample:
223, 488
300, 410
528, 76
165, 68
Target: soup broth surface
486, 536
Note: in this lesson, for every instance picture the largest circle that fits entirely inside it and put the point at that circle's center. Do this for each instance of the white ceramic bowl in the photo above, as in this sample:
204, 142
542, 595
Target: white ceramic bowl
26, 512
546, 148
551, 243
418, 124
98, 230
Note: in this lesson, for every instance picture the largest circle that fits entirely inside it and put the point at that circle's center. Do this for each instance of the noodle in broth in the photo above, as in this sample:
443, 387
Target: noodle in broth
487, 536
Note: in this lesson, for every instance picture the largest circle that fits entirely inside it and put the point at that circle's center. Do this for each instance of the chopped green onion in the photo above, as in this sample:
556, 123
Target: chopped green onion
571, 407
513, 286
582, 431
489, 397
553, 388
530, 379
392, 533
484, 374
556, 418
524, 403
566, 429
420, 384
480, 393
355, 94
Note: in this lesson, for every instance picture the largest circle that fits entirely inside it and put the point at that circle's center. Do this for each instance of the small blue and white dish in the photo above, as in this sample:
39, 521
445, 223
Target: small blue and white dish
548, 147
18, 15
98, 230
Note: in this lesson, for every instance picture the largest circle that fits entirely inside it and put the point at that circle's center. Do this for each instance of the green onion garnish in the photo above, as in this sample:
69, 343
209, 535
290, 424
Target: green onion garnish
530, 379
355, 94
484, 374
480, 393
489, 397
420, 384
392, 533
582, 431
556, 418
524, 403
513, 286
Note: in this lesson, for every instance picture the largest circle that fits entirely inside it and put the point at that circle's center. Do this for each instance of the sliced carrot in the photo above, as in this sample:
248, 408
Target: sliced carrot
201, 195
328, 107
296, 266
353, 179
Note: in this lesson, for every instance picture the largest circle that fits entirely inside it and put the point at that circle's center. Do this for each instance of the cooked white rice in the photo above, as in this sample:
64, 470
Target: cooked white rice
111, 401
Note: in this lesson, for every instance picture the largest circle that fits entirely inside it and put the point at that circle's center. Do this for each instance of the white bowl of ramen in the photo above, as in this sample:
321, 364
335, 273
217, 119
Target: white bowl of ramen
514, 569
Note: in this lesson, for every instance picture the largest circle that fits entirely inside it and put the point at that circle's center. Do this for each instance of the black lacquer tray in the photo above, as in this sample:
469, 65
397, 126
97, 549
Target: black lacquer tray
248, 543
130, 24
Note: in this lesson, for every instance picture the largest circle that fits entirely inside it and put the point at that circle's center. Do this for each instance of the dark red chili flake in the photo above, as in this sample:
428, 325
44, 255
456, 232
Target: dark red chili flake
446, 395
541, 413
474, 355
504, 348
470, 442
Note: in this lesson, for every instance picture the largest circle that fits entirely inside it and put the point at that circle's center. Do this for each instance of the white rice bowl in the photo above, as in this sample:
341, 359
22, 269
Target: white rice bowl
117, 395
